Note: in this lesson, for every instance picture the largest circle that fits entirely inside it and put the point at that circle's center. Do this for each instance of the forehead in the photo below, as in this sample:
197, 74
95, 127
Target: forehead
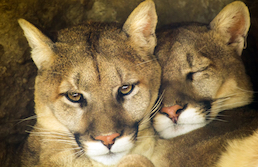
191, 48
98, 53
88, 64
107, 40
85, 67
198, 41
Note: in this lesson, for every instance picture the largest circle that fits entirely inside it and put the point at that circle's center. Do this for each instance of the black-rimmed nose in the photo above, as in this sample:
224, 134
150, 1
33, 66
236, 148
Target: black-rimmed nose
108, 140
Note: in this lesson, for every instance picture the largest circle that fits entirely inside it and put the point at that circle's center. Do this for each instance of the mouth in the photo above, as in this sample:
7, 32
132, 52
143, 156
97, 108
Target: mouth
110, 158
111, 154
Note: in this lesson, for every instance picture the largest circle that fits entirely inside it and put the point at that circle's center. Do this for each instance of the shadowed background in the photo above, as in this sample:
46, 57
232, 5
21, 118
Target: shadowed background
17, 71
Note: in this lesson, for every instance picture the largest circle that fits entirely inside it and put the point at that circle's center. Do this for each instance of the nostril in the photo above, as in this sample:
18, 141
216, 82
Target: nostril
181, 109
108, 140
173, 112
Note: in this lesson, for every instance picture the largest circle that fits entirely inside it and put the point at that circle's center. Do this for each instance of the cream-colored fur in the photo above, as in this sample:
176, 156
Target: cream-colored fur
202, 70
241, 153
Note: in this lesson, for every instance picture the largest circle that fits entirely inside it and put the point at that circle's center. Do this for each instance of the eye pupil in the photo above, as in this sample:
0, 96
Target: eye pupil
74, 97
126, 89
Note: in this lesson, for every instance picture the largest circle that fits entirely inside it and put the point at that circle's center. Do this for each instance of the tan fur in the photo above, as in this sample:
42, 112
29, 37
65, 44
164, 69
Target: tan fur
135, 160
241, 153
93, 62
202, 69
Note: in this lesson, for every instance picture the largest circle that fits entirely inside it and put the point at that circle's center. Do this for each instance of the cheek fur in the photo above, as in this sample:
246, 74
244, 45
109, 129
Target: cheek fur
68, 115
137, 105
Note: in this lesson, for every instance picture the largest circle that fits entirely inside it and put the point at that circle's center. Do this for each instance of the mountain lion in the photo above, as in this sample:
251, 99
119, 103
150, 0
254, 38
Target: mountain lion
94, 92
202, 71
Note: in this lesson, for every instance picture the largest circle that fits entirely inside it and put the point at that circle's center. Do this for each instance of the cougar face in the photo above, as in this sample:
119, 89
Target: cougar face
100, 102
95, 87
202, 71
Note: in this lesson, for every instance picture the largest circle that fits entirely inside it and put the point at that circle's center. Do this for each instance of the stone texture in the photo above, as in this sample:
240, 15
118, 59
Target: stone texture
17, 71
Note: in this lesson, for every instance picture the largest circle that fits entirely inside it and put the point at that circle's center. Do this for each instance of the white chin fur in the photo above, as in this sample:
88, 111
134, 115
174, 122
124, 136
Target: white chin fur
188, 121
100, 153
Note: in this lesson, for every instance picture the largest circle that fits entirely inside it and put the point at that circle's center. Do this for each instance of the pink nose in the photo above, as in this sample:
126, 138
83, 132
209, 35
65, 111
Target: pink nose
172, 112
108, 140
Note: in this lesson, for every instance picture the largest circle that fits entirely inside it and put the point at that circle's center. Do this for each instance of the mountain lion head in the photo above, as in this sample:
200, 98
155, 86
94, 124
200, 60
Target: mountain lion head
95, 87
202, 71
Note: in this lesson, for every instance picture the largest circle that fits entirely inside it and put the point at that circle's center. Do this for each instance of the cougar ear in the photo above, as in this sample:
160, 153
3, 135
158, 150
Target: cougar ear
40, 44
141, 26
233, 22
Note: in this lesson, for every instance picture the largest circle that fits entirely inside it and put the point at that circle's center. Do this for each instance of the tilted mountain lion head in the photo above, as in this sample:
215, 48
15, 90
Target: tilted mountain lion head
95, 87
202, 71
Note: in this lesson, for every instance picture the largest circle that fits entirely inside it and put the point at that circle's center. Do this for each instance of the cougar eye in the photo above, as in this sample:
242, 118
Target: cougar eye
125, 90
74, 97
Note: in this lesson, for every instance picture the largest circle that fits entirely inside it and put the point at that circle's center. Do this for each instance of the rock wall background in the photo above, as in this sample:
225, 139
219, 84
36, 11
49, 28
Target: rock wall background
17, 71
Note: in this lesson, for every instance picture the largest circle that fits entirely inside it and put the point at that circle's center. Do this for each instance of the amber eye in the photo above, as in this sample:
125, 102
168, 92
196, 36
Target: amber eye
74, 97
126, 89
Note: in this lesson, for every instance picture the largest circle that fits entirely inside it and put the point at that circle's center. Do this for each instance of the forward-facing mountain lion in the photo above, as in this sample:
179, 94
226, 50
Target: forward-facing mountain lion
94, 91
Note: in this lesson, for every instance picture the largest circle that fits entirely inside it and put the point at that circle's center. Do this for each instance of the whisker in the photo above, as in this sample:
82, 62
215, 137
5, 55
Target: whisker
232, 104
221, 115
216, 119
158, 109
46, 130
53, 133
79, 153
27, 119
220, 100
201, 48
251, 91
60, 140
158, 103
207, 111
76, 153
232, 95
146, 62
154, 110
68, 149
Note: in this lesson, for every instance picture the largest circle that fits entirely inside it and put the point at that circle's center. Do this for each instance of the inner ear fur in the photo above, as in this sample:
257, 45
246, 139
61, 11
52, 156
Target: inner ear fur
141, 26
41, 45
233, 22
